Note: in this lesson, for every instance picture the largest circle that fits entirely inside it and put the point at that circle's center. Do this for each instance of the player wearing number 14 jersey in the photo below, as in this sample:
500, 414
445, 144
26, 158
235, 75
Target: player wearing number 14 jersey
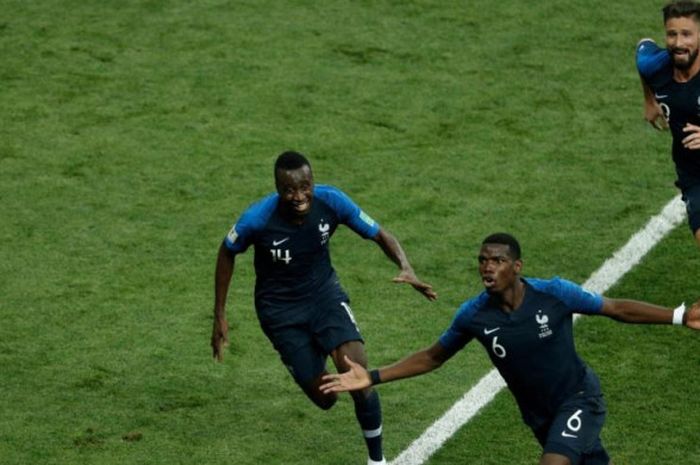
525, 325
301, 307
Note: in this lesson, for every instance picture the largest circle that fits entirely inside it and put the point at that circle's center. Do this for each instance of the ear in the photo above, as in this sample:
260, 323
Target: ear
518, 265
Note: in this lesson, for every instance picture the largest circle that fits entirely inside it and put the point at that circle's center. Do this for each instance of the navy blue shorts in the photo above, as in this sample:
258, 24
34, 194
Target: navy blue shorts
575, 431
691, 197
305, 332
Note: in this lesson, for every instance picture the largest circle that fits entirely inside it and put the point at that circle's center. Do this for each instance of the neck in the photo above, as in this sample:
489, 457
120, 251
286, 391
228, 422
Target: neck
685, 75
511, 298
291, 217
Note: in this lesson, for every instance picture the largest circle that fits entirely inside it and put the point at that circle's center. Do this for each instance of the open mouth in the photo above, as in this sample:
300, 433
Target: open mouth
488, 281
300, 207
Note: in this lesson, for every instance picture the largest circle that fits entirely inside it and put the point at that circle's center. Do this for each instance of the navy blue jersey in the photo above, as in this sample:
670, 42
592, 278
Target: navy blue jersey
292, 262
680, 103
533, 346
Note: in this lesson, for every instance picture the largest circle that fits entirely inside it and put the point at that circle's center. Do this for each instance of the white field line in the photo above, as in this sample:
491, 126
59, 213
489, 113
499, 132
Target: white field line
486, 389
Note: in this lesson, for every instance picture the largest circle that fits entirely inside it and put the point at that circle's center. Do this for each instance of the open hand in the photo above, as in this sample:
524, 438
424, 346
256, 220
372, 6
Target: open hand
355, 379
409, 277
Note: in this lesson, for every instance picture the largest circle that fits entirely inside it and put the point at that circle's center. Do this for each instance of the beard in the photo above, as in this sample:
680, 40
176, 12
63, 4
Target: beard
684, 65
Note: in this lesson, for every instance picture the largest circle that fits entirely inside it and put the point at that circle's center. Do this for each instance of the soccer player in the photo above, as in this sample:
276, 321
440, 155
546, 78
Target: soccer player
672, 96
525, 325
301, 307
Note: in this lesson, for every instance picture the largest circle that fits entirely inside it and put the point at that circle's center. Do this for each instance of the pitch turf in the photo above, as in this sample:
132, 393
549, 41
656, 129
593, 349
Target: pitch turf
133, 133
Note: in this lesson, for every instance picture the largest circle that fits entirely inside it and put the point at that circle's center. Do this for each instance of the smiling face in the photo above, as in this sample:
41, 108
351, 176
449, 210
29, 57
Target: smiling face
296, 190
683, 42
498, 269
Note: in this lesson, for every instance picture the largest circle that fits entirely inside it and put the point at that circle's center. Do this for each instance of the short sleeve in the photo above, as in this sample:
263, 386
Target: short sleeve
252, 220
349, 213
578, 299
458, 334
651, 58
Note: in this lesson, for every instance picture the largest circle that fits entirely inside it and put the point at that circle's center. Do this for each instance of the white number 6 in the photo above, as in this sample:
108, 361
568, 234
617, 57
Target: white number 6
498, 349
574, 423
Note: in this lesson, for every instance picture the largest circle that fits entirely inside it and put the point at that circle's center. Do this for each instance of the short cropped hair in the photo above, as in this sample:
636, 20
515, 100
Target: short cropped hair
505, 239
290, 161
682, 9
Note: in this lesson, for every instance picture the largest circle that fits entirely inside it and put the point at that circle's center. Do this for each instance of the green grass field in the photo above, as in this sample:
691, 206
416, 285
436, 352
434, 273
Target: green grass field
133, 133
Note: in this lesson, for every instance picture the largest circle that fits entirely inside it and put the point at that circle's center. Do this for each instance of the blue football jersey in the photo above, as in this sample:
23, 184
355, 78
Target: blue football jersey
292, 262
679, 101
533, 346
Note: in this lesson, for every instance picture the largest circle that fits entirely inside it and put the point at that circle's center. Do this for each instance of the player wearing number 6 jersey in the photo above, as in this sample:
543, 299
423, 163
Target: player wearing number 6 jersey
525, 325
301, 307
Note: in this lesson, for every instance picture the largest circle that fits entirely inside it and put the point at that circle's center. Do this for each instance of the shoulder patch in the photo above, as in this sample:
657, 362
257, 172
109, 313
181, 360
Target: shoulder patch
366, 218
232, 235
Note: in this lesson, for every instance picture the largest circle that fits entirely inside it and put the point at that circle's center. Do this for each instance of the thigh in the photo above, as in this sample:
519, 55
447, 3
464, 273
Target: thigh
334, 323
299, 352
575, 431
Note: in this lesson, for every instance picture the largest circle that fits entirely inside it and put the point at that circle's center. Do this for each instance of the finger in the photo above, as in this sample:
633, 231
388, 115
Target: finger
329, 388
329, 377
218, 350
332, 386
426, 290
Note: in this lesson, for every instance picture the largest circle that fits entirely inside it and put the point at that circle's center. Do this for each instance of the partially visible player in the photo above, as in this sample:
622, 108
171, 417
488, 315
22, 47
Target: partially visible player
672, 96
525, 325
301, 307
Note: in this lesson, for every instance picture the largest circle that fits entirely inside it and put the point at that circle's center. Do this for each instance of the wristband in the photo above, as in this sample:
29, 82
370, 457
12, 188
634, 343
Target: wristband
678, 313
374, 376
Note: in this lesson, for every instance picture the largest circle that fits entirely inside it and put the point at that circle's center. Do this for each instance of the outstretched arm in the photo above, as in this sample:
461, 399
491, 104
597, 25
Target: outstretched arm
222, 279
633, 311
392, 248
358, 377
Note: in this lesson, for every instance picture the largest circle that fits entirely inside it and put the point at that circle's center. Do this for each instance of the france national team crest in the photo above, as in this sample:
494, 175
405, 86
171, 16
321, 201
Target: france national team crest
323, 228
232, 235
542, 320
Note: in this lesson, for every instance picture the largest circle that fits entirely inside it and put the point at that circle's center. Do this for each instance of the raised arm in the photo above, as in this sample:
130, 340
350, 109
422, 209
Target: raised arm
392, 248
633, 311
222, 279
358, 377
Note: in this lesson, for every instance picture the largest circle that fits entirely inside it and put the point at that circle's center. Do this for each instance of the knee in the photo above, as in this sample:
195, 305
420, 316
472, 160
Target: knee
325, 401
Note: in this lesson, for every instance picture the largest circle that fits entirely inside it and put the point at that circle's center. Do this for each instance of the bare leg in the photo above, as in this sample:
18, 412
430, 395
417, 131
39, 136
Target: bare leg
554, 459
367, 406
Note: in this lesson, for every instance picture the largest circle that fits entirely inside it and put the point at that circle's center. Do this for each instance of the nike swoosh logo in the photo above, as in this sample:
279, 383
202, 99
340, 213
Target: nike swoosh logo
567, 435
276, 243
489, 331
657, 96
